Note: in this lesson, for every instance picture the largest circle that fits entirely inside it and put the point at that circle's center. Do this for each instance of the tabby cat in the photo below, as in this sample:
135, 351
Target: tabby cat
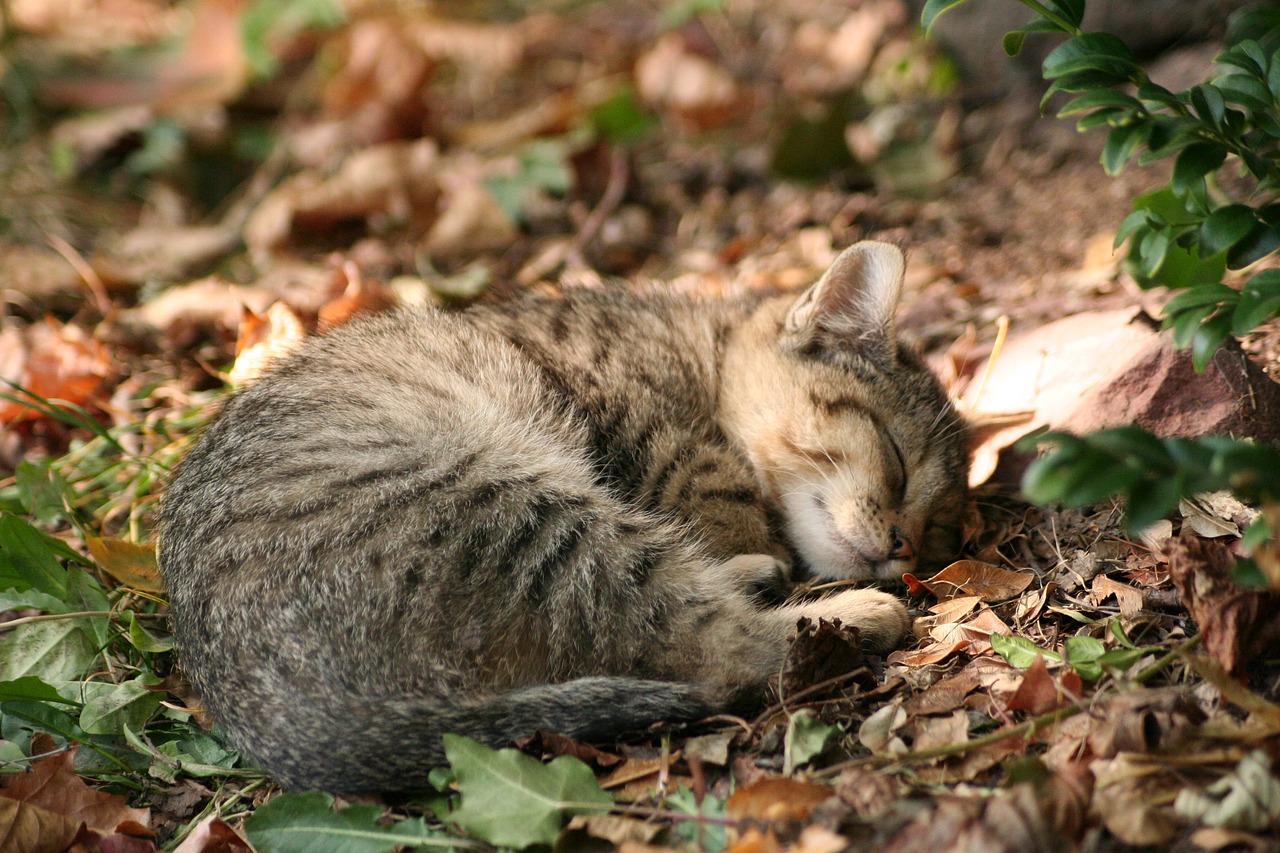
549, 513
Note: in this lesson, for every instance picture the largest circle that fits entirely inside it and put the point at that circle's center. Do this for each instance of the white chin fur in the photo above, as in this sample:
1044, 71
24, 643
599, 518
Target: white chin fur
814, 536
827, 554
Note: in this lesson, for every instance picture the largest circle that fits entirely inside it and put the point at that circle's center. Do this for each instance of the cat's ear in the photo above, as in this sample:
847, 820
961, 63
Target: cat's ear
851, 308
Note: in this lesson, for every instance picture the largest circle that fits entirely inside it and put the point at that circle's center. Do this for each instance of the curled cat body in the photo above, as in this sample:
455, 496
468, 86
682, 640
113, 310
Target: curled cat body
549, 513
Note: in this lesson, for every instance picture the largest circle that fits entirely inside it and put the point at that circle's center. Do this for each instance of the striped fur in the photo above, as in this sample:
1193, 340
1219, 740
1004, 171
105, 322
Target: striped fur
548, 514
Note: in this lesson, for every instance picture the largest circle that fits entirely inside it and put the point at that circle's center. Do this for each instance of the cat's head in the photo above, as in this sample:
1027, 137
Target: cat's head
852, 438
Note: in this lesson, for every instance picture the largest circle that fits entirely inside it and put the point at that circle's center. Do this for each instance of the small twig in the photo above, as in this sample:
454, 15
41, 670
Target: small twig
673, 816
614, 191
1168, 658
1023, 729
49, 617
779, 707
86, 272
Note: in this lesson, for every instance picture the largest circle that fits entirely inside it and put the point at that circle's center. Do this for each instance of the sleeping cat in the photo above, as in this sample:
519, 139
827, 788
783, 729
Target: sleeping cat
549, 514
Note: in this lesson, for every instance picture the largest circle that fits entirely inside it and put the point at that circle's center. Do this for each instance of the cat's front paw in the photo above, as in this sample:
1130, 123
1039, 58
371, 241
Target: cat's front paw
764, 578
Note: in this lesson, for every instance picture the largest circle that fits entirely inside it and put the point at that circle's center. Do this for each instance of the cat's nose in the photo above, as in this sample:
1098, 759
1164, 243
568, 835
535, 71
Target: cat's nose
900, 547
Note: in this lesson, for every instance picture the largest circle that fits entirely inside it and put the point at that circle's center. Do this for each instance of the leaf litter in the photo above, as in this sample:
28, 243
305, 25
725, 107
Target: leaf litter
1070, 687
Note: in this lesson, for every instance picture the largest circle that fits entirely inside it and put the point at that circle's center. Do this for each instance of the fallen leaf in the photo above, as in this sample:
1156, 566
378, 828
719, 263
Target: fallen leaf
933, 732
396, 179
989, 583
52, 360
936, 651
52, 784
943, 696
688, 86
358, 297
1040, 692
131, 563
1247, 798
213, 835
1237, 623
776, 799
869, 792
977, 631
1132, 794
1129, 599
548, 745
878, 731
616, 829
31, 829
264, 340
955, 609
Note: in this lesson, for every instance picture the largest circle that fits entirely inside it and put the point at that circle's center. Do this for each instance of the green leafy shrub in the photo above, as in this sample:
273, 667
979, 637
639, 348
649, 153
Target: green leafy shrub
1219, 212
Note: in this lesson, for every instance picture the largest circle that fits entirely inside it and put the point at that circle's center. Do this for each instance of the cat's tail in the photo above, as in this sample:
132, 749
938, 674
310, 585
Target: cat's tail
392, 745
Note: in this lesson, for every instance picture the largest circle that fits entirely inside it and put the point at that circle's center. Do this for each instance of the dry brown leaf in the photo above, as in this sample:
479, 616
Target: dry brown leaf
358, 297
1129, 599
1237, 623
164, 252
944, 696
1007, 822
32, 829
213, 835
211, 68
395, 180
818, 839
375, 92
548, 745
264, 340
1133, 796
133, 564
1040, 692
617, 829
955, 609
776, 799
686, 85
55, 361
869, 792
471, 220
755, 840
989, 583
52, 784
933, 653
972, 763
977, 631
933, 732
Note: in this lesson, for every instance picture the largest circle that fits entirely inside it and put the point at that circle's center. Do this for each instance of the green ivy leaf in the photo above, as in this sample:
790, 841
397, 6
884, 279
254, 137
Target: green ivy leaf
932, 9
1019, 651
1152, 499
109, 709
806, 738
307, 823
1121, 143
1194, 162
1083, 653
54, 651
1248, 92
1101, 98
511, 800
1102, 53
31, 688
1208, 104
27, 554
1259, 302
1225, 227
